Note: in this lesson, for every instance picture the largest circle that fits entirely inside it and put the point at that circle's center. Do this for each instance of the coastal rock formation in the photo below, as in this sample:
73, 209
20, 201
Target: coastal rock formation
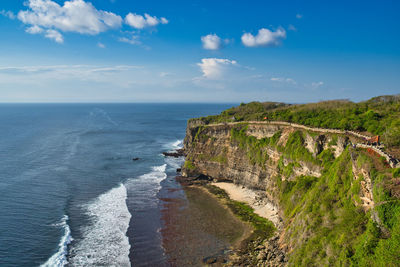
284, 161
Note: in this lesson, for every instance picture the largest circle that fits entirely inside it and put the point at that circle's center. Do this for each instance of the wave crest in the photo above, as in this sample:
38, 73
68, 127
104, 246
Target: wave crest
104, 242
60, 257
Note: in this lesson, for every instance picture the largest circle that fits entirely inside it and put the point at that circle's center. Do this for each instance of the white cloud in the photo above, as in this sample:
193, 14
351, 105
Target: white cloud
292, 28
299, 16
8, 14
133, 40
34, 29
316, 85
265, 37
74, 16
55, 36
101, 45
213, 68
211, 42
164, 21
50, 18
79, 16
283, 80
66, 70
139, 22
165, 74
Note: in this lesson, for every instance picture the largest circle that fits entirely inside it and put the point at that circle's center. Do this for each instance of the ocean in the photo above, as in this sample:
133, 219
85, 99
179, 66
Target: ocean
70, 193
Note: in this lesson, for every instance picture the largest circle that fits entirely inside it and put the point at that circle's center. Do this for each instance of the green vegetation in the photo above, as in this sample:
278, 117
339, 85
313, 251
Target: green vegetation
189, 165
200, 136
262, 227
326, 222
379, 115
255, 148
396, 173
328, 226
295, 150
245, 112
220, 159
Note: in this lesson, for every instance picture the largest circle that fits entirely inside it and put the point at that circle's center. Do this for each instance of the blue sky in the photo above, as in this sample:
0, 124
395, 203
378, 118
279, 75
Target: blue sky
198, 51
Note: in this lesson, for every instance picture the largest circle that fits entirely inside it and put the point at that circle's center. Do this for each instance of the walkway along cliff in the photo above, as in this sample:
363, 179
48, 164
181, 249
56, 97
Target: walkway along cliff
323, 183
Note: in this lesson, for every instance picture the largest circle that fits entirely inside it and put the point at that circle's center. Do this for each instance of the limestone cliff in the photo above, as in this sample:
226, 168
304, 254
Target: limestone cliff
317, 179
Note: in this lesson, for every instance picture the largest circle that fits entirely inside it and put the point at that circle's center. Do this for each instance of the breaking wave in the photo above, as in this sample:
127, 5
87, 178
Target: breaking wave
104, 242
60, 257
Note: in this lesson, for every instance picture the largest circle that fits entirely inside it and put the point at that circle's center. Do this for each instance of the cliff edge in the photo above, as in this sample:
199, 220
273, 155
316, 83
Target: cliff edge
338, 204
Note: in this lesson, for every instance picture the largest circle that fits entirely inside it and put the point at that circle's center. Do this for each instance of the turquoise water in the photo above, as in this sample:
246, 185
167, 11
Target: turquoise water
69, 190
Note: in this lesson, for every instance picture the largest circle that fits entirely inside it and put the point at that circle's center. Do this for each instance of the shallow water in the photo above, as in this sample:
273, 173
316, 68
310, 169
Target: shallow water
198, 226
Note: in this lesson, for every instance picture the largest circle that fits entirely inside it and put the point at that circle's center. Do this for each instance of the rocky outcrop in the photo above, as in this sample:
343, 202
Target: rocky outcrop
210, 150
259, 157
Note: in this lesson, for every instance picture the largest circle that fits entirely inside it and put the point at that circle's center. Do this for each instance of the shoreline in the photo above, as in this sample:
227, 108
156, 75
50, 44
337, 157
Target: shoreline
252, 198
261, 246
198, 229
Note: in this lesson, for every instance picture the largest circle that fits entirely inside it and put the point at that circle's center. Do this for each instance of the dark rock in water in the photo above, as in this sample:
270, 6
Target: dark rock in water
197, 180
221, 260
203, 177
135, 159
179, 170
176, 154
210, 260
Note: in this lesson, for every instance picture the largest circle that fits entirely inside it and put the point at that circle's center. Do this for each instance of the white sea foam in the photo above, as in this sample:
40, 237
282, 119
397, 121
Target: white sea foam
104, 242
60, 257
149, 183
146, 187
174, 163
178, 144
160, 169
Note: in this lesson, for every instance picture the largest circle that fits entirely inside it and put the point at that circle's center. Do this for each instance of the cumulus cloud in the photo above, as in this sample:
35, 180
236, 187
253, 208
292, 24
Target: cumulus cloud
52, 19
55, 36
34, 29
211, 42
8, 14
265, 37
299, 16
139, 22
101, 45
74, 16
213, 68
133, 40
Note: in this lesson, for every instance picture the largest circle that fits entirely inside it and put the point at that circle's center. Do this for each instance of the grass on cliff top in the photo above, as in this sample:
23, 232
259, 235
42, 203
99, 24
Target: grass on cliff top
262, 227
379, 115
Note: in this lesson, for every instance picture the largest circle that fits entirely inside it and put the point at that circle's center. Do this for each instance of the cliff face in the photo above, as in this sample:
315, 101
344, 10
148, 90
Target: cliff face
214, 152
321, 184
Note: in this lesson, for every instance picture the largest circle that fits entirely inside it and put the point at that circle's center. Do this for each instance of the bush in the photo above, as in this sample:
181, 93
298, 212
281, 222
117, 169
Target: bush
396, 173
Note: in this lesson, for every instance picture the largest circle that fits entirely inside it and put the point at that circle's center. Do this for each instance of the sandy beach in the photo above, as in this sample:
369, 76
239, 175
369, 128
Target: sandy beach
254, 199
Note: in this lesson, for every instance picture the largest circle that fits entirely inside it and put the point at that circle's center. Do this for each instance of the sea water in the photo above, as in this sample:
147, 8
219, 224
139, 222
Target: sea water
70, 192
